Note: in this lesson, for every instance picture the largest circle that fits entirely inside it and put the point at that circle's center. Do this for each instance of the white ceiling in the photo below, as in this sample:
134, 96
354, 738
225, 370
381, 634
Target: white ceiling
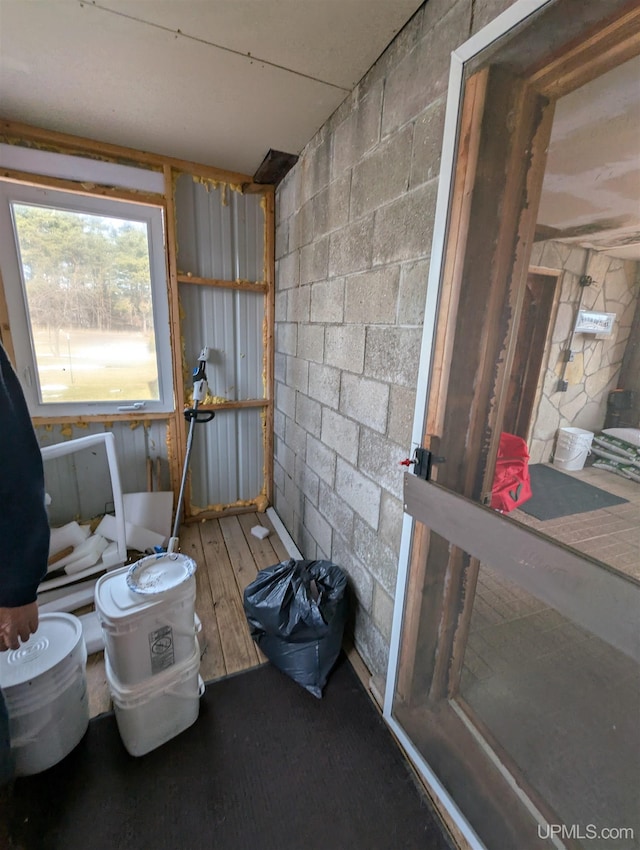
223, 81
591, 190
213, 81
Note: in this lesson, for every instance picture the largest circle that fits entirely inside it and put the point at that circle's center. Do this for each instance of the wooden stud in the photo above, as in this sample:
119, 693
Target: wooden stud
608, 45
269, 326
178, 443
248, 285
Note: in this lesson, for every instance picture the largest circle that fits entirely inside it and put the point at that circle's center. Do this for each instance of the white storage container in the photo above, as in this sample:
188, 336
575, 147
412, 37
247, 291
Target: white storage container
151, 713
147, 633
45, 688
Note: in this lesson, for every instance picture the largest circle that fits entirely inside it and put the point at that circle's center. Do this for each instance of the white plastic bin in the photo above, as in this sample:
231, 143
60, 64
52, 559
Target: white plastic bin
151, 713
572, 447
145, 635
45, 688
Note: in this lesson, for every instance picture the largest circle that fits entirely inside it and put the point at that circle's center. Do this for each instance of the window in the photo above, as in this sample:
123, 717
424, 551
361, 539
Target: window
86, 290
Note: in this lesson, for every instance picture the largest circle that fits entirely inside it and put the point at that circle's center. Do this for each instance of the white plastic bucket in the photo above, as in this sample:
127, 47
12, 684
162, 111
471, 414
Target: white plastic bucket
145, 635
151, 713
45, 688
572, 447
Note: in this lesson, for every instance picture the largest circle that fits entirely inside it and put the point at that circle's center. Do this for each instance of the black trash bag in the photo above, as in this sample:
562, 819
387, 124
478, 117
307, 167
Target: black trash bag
297, 611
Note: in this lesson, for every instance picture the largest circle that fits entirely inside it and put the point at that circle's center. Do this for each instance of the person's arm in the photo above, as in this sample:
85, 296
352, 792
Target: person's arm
24, 526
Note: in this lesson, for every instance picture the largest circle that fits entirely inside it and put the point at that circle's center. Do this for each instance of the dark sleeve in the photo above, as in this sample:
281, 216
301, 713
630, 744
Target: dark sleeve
24, 526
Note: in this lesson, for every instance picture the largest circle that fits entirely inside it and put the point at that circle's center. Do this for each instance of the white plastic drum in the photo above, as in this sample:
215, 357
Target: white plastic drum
45, 688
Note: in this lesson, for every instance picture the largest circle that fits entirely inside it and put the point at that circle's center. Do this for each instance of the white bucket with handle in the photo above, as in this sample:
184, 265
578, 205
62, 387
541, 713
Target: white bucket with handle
45, 688
572, 448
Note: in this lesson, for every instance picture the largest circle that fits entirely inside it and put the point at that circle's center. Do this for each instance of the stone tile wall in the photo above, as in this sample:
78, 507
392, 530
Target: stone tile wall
354, 223
597, 362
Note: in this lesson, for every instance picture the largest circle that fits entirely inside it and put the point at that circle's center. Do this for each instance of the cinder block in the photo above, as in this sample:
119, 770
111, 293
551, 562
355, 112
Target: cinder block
298, 374
344, 347
382, 610
365, 401
331, 206
359, 492
391, 518
287, 194
350, 249
311, 342
340, 433
296, 438
383, 175
381, 561
401, 411
324, 384
282, 238
286, 337
370, 643
314, 261
360, 579
359, 132
281, 306
279, 420
427, 143
321, 459
280, 367
298, 304
327, 301
422, 75
380, 460
404, 228
308, 414
284, 456
372, 297
286, 400
307, 481
392, 354
301, 227
335, 510
317, 526
413, 292
288, 271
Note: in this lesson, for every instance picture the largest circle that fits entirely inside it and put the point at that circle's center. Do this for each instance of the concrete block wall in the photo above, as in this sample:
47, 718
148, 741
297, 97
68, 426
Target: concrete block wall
354, 223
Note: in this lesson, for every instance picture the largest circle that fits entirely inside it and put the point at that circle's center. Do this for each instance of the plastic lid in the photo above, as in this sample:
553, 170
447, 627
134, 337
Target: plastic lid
159, 573
56, 637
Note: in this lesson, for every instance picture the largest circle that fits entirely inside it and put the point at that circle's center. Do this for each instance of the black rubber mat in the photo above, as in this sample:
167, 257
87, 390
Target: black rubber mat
266, 765
556, 495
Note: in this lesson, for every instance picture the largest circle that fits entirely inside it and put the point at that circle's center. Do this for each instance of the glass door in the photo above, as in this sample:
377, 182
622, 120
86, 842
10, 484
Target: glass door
517, 679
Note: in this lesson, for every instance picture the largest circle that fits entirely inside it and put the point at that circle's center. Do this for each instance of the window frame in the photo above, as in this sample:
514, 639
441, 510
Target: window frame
153, 215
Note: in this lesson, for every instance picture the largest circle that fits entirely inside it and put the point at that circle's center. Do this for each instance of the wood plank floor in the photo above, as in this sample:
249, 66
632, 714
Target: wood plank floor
228, 558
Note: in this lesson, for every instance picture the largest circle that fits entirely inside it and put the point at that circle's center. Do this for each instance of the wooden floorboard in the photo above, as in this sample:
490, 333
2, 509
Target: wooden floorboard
228, 558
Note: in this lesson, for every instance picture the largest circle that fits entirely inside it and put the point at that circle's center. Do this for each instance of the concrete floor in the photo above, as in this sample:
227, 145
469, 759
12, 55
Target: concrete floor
563, 704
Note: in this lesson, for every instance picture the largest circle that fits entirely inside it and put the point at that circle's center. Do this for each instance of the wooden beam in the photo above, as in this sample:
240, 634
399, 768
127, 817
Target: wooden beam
118, 193
268, 338
248, 285
25, 132
590, 55
178, 432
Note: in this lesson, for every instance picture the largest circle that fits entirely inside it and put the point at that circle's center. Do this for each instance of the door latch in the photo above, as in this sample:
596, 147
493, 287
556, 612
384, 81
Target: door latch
423, 461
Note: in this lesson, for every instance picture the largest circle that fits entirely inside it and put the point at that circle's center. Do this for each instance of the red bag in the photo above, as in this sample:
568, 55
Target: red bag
511, 482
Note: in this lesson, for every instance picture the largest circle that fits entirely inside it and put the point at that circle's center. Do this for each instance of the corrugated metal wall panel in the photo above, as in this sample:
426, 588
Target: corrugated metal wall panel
79, 483
220, 232
230, 322
227, 459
